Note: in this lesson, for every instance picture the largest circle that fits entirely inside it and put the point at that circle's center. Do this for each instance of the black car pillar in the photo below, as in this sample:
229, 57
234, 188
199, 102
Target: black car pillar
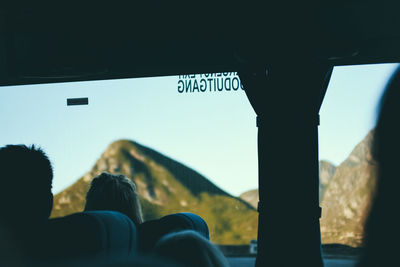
286, 98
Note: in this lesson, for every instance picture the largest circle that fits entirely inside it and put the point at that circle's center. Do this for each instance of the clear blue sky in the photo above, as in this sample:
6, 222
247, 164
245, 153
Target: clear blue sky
349, 109
213, 132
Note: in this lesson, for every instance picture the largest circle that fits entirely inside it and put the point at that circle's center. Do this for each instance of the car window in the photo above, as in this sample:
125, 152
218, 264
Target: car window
187, 141
347, 169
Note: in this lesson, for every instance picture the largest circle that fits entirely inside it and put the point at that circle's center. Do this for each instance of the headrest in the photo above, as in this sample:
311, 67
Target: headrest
91, 234
151, 231
186, 221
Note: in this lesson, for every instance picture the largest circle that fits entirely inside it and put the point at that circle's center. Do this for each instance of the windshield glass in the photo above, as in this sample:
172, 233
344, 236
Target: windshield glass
347, 169
188, 142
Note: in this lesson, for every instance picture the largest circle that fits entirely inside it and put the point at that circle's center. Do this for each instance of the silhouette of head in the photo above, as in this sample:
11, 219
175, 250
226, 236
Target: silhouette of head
26, 177
114, 192
190, 248
382, 228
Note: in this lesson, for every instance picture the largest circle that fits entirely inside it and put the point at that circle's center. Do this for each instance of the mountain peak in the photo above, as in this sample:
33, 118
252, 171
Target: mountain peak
117, 147
362, 152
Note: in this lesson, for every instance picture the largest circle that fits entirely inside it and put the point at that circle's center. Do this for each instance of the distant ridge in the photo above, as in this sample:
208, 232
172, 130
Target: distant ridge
326, 172
251, 197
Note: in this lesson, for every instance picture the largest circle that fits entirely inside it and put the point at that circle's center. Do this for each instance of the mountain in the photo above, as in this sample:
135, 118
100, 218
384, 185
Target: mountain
166, 186
326, 172
348, 197
251, 197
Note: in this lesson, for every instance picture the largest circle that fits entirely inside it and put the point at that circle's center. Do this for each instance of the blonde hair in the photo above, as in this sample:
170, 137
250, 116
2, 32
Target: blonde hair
114, 192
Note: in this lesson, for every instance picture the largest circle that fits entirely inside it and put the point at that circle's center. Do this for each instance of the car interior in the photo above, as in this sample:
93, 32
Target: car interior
279, 56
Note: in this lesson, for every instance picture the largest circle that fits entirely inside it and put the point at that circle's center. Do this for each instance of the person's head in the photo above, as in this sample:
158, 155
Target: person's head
26, 177
114, 192
381, 231
190, 248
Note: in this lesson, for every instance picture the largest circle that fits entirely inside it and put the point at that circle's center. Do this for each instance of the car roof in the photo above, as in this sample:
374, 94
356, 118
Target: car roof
49, 42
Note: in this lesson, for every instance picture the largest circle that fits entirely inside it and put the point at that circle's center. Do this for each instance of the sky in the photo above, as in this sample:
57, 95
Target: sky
213, 132
350, 107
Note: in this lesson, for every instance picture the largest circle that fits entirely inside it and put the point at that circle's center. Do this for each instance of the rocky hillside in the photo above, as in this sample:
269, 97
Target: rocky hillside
167, 186
348, 196
326, 172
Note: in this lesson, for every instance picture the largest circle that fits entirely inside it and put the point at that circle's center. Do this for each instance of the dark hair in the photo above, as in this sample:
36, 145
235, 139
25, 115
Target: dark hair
26, 177
114, 192
190, 248
381, 231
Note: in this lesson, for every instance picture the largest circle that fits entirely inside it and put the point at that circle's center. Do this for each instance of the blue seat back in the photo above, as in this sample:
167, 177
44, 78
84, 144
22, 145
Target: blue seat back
91, 234
150, 232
